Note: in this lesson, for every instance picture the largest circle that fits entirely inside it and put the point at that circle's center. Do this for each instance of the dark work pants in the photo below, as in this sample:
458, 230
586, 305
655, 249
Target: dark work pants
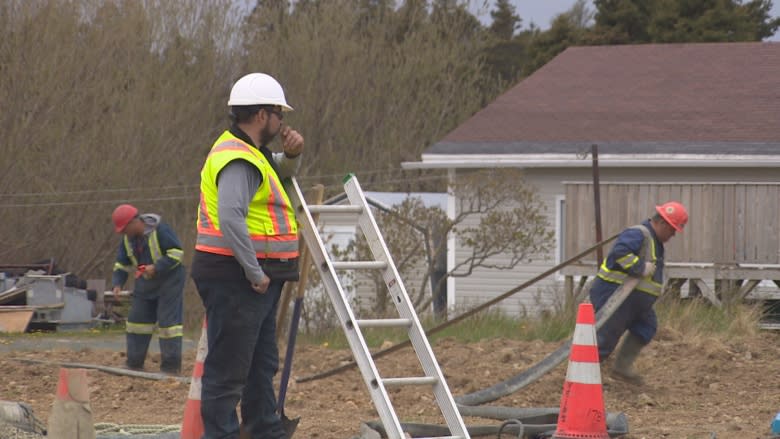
635, 315
242, 360
157, 303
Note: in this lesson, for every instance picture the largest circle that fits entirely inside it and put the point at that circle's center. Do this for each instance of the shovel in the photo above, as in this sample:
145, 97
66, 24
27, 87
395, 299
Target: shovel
289, 424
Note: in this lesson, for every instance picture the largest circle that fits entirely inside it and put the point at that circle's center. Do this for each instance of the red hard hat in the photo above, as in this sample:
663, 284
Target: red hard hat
122, 216
674, 213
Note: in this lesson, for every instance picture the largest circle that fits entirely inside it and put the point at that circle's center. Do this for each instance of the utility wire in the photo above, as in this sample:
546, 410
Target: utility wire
186, 186
91, 202
97, 191
135, 196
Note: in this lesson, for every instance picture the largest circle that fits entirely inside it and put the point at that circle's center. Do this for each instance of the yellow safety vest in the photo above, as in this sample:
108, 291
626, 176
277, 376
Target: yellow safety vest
271, 218
646, 284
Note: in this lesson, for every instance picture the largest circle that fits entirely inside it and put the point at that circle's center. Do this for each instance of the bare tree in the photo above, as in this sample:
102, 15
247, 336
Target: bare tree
499, 222
106, 102
374, 88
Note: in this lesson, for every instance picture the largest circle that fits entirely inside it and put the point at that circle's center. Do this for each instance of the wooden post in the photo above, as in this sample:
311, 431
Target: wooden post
597, 201
71, 415
568, 288
747, 288
314, 196
674, 286
284, 304
580, 288
707, 292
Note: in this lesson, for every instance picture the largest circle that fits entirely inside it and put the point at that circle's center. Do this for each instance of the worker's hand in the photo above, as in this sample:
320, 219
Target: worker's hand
116, 290
262, 287
149, 271
292, 142
649, 269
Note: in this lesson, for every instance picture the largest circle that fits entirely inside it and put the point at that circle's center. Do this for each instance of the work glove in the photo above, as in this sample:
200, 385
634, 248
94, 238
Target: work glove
649, 269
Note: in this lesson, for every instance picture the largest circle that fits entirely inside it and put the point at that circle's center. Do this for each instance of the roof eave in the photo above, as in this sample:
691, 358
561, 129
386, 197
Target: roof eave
439, 161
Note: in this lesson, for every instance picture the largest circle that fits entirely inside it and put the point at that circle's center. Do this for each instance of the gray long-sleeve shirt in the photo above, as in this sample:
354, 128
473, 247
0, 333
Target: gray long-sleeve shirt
237, 184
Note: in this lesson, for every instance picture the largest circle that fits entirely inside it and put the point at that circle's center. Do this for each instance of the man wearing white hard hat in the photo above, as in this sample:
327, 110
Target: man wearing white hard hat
246, 249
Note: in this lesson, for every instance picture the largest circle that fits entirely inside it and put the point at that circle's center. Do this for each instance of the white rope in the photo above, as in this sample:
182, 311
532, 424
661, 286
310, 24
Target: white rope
132, 429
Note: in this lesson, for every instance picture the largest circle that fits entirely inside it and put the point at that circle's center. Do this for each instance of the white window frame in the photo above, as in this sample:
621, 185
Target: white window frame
560, 232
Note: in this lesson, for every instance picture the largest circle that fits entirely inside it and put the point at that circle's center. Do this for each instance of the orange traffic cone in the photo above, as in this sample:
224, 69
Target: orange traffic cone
71, 414
192, 424
582, 413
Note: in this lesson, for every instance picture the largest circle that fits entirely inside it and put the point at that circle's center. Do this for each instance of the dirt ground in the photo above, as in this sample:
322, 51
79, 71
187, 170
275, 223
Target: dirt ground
694, 389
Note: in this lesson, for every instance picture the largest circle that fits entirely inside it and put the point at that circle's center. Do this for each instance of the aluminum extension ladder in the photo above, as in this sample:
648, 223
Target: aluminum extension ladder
353, 326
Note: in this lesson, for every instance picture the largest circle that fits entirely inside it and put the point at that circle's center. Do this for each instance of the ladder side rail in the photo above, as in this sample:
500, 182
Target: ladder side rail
360, 351
405, 309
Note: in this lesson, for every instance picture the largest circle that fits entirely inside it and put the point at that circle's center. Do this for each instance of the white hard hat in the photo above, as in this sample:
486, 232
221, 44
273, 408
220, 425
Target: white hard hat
258, 89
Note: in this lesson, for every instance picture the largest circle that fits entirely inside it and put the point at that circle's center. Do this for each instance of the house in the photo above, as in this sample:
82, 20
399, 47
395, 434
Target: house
671, 115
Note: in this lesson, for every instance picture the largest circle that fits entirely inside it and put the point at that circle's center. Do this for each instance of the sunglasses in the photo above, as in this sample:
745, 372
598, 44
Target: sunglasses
275, 111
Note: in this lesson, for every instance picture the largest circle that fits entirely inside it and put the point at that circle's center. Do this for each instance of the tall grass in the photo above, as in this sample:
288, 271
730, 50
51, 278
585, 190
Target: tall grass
696, 318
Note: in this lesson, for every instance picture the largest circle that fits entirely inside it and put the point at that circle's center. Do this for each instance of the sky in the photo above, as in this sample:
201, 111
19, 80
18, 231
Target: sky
541, 12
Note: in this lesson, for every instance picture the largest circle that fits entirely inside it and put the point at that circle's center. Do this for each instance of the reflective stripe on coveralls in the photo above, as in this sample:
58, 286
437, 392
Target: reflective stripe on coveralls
171, 331
646, 283
148, 328
140, 328
155, 251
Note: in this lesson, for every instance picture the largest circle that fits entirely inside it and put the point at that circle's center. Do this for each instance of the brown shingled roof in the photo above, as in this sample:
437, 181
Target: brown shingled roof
712, 92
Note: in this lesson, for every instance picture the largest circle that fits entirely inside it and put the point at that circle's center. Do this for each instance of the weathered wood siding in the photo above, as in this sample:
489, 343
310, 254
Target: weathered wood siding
730, 223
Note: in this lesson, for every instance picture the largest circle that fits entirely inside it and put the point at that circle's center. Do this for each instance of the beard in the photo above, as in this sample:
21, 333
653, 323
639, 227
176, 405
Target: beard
266, 136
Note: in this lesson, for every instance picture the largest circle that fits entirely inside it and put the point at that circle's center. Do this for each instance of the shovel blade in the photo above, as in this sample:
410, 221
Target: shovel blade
289, 426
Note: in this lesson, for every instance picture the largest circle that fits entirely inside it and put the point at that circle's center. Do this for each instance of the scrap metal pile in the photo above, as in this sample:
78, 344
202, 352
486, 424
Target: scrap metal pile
42, 297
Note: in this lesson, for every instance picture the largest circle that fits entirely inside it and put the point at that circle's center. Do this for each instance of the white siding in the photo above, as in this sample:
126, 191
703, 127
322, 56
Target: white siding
484, 285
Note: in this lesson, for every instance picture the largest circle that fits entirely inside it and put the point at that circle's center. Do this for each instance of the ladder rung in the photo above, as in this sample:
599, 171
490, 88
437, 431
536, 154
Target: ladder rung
410, 381
335, 208
360, 265
384, 323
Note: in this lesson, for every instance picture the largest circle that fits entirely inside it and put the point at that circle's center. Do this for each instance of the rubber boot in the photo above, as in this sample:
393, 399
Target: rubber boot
170, 355
623, 368
137, 346
171, 366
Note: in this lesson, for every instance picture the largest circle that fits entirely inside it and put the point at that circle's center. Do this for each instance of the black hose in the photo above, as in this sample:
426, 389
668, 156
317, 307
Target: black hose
170, 435
616, 422
617, 425
465, 315
549, 362
534, 415
511, 422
